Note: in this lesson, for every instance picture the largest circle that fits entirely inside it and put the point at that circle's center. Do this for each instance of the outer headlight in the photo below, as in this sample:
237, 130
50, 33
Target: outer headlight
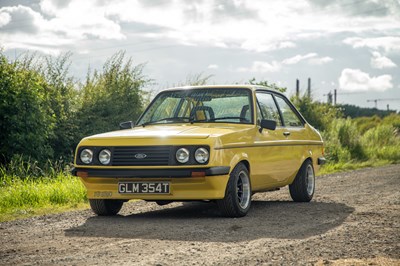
201, 155
86, 156
182, 155
105, 156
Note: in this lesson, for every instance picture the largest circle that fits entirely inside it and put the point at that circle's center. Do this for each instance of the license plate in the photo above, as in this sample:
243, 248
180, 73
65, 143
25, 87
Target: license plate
143, 188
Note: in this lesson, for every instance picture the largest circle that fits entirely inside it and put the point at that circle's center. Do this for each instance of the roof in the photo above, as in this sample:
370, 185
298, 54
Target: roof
236, 86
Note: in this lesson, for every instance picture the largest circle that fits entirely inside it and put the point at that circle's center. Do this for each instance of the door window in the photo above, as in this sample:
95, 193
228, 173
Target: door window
290, 118
268, 107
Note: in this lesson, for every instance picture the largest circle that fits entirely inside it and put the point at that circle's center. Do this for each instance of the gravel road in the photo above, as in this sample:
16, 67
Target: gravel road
354, 219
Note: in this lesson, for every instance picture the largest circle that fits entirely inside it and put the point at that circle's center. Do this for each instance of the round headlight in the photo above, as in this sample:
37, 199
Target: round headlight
182, 155
105, 156
201, 155
86, 156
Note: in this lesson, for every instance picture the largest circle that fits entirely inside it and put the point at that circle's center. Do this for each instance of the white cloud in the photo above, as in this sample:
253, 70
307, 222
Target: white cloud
296, 59
311, 58
388, 43
29, 29
356, 80
261, 46
5, 18
249, 25
320, 60
380, 62
213, 66
262, 67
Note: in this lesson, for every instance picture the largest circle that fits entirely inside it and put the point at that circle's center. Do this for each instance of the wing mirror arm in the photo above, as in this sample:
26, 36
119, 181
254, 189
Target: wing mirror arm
126, 125
267, 124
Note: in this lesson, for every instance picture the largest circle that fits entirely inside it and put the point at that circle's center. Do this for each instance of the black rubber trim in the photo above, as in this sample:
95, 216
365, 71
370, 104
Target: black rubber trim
321, 160
73, 171
153, 173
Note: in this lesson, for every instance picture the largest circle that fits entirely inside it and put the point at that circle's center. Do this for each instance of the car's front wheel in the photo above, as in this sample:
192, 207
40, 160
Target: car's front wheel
105, 207
237, 200
303, 186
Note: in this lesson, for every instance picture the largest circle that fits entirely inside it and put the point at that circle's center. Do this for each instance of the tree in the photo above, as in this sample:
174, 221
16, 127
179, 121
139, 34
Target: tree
26, 121
63, 101
111, 96
265, 83
319, 115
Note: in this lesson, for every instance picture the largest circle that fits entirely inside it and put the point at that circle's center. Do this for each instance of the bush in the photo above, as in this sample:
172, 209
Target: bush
319, 115
26, 120
366, 123
343, 141
382, 142
112, 96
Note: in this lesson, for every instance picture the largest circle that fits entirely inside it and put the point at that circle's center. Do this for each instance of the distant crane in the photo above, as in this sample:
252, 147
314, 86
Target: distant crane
383, 100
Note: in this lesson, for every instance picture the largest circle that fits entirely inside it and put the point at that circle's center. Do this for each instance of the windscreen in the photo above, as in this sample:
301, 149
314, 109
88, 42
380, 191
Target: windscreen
210, 105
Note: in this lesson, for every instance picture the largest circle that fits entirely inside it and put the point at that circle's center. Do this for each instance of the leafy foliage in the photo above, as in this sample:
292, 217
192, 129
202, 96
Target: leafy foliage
343, 141
44, 112
319, 115
111, 96
265, 83
197, 79
26, 119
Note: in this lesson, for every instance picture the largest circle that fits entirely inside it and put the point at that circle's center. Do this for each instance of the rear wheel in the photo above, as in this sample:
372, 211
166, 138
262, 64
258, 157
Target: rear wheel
105, 207
237, 200
303, 186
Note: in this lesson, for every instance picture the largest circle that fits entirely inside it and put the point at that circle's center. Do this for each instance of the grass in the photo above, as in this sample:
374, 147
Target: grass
331, 168
36, 196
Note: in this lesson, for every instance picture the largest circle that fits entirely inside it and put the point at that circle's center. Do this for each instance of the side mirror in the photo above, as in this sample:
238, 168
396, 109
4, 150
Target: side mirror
268, 124
126, 125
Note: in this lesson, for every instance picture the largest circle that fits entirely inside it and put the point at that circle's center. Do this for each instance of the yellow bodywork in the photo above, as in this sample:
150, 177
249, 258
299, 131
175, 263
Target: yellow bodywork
272, 158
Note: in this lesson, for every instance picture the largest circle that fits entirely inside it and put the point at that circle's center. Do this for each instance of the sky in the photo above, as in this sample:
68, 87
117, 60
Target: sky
352, 46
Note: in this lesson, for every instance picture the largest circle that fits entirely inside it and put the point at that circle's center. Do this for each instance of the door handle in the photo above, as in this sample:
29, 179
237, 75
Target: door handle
286, 133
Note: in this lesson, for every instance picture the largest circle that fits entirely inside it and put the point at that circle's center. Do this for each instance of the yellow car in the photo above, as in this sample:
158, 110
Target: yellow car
207, 143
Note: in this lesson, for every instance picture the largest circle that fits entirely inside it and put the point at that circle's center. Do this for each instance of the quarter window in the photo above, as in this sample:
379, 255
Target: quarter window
290, 118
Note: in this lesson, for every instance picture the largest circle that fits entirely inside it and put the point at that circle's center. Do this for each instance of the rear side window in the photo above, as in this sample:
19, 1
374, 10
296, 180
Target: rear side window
268, 107
290, 118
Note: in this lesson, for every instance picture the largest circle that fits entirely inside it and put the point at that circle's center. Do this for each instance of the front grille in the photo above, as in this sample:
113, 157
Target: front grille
153, 155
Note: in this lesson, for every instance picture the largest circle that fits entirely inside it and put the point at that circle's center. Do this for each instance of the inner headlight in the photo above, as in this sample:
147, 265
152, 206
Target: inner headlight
105, 156
86, 156
182, 155
201, 155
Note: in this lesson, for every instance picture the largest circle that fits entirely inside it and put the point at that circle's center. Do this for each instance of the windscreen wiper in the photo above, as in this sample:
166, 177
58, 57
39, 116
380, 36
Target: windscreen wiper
173, 119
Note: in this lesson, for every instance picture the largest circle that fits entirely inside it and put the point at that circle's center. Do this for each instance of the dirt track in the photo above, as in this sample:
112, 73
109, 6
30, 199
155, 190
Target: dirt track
354, 218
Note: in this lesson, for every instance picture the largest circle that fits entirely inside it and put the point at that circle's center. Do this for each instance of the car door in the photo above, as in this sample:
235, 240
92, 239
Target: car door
294, 133
271, 163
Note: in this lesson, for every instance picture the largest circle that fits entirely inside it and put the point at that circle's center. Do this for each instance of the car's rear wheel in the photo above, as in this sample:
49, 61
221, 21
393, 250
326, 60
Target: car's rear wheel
237, 200
303, 186
105, 207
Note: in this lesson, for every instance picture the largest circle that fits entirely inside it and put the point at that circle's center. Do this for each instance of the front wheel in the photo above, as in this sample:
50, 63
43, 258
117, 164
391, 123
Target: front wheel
105, 207
237, 200
303, 186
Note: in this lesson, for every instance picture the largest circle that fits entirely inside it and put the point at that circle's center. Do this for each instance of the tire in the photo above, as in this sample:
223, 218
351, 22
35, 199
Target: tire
237, 200
105, 207
303, 187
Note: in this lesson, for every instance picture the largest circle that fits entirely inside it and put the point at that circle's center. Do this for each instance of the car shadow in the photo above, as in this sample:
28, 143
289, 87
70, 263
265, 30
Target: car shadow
202, 222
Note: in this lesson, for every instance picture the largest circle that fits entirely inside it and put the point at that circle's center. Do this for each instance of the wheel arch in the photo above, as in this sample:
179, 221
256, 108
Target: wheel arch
240, 158
246, 163
309, 158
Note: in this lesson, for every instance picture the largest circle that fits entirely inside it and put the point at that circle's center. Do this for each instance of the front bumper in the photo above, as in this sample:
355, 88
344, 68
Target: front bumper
151, 173
185, 183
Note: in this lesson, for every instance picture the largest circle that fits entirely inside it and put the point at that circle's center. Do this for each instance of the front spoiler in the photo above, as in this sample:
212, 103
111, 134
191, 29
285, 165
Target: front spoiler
151, 173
